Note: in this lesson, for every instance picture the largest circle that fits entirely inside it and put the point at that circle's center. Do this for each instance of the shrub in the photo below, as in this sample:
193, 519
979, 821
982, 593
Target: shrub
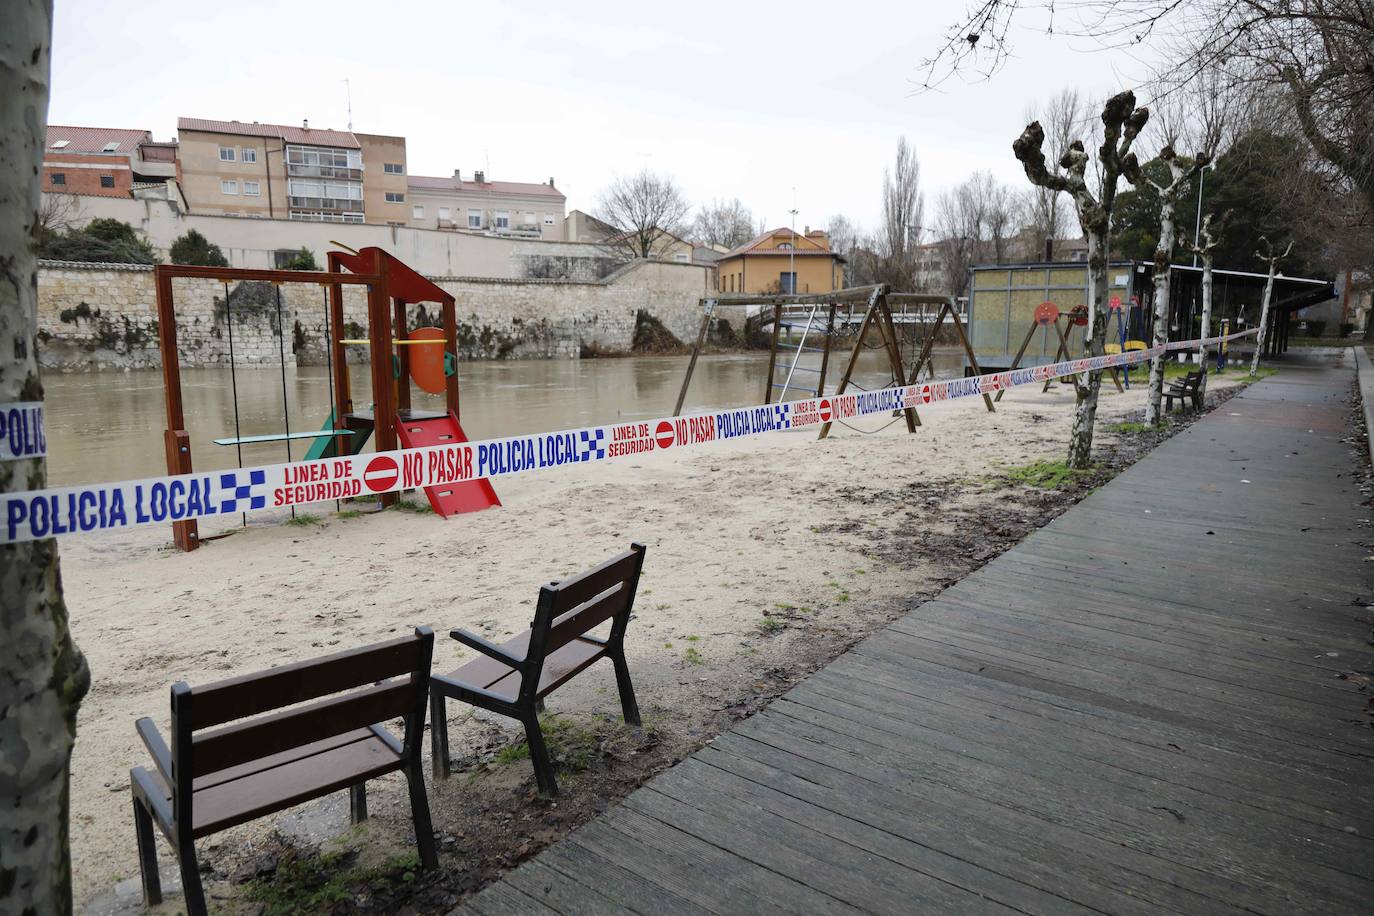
195, 249
302, 260
1316, 328
101, 241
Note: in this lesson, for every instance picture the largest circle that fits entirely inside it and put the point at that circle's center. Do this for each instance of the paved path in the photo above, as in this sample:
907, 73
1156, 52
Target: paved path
1136, 710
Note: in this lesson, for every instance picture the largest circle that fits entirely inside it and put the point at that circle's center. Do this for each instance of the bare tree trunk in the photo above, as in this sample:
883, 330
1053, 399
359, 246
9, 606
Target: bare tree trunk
1264, 316
1206, 313
1087, 386
43, 676
1153, 413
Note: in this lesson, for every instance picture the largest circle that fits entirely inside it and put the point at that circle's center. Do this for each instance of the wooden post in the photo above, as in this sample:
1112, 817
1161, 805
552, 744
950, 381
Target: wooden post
176, 441
968, 349
773, 355
710, 306
854, 353
825, 351
450, 316
1016, 362
1061, 352
383, 384
888, 328
343, 393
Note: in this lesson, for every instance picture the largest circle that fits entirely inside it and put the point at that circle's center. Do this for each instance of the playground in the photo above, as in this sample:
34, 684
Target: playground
768, 556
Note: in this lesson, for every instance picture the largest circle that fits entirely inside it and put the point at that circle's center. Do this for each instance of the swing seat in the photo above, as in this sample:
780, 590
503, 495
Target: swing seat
1111, 348
1136, 345
282, 437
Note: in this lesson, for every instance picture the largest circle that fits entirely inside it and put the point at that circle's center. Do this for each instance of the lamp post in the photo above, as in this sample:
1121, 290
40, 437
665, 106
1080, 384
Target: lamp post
1197, 222
792, 247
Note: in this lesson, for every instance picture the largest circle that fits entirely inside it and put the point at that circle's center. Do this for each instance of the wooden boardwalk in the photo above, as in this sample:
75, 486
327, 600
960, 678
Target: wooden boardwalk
1137, 710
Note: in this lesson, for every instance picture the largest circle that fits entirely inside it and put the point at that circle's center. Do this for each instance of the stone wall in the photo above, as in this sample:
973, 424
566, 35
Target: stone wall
105, 316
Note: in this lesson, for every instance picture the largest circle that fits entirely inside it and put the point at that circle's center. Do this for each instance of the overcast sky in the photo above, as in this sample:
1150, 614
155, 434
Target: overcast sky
732, 99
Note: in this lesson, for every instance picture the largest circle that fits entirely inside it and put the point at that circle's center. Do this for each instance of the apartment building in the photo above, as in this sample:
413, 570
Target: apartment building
274, 171
104, 161
507, 208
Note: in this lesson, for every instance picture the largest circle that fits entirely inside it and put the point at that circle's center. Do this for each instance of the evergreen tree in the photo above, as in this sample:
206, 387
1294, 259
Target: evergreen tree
196, 250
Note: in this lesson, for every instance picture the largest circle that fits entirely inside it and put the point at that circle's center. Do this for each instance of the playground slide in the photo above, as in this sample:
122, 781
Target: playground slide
327, 446
459, 496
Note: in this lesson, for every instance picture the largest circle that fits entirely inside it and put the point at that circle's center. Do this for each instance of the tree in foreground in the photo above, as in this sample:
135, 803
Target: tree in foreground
1121, 124
645, 212
43, 676
196, 250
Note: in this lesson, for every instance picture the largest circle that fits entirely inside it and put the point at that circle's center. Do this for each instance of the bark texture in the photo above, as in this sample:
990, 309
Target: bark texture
1121, 124
1206, 251
42, 674
1273, 260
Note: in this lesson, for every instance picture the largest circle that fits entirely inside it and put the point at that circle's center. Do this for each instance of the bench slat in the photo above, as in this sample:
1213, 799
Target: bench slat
586, 586
559, 667
588, 616
247, 741
286, 685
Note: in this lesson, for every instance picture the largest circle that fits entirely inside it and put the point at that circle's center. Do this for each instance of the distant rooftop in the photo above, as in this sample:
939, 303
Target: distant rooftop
522, 188
317, 136
115, 141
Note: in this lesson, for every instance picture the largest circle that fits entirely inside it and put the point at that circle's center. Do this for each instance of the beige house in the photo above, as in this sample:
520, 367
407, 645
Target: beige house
506, 208
272, 171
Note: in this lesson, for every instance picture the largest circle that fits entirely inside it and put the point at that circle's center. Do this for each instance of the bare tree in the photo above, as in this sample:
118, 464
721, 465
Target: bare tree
724, 222
1065, 114
43, 676
997, 207
1269, 254
903, 210
57, 212
646, 212
958, 229
1181, 172
1121, 124
1206, 250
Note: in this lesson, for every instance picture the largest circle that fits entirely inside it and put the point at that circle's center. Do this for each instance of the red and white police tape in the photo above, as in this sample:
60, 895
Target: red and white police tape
38, 514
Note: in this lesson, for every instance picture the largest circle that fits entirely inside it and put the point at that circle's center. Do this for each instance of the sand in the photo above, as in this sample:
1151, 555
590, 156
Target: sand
779, 524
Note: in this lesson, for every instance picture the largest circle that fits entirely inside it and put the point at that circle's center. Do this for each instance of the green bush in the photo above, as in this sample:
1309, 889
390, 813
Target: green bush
1316, 328
196, 250
303, 260
102, 241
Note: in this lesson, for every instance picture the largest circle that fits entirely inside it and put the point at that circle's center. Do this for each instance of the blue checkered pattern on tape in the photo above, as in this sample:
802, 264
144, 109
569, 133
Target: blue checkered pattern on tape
236, 492
593, 442
781, 413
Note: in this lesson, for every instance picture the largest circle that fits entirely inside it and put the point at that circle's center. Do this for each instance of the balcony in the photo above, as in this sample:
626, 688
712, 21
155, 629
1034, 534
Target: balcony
296, 170
325, 203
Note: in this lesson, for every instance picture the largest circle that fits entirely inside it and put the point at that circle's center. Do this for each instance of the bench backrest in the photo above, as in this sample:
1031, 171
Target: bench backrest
364, 687
581, 603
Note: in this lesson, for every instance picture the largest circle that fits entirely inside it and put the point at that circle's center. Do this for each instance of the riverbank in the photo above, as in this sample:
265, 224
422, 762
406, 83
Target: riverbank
766, 557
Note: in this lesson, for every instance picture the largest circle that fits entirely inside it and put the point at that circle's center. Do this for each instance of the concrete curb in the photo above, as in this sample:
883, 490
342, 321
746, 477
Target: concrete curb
1364, 370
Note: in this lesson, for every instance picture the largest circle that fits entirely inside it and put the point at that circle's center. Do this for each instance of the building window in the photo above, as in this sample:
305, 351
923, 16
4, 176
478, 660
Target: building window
395, 197
474, 219
110, 147
59, 178
548, 219
227, 186
445, 214
249, 154
252, 189
785, 246
680, 257
417, 212
502, 220
107, 181
60, 144
787, 282
393, 168
226, 154
530, 220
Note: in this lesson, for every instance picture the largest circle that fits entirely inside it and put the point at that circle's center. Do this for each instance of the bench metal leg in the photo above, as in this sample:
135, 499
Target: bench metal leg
627, 690
539, 756
190, 879
147, 855
357, 803
419, 812
438, 734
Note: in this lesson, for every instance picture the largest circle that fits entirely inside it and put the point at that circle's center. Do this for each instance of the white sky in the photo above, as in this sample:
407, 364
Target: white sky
733, 99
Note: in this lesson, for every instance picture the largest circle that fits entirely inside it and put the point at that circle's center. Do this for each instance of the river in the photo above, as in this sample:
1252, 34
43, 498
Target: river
104, 426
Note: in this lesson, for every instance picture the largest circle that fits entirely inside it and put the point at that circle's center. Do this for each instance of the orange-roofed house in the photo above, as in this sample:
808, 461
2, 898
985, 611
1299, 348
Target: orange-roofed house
782, 261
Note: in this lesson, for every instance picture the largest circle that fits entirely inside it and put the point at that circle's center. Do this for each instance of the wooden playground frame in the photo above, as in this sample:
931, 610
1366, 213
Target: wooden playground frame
878, 299
388, 282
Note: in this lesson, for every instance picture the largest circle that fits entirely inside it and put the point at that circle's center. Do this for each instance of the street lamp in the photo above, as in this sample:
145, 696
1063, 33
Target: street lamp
1197, 224
792, 247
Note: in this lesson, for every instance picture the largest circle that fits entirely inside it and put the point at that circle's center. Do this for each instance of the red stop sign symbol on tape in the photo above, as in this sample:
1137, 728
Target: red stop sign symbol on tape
825, 410
380, 474
925, 394
664, 435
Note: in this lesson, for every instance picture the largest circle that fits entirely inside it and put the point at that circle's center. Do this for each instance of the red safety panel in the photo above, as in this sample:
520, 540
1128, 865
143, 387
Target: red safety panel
449, 498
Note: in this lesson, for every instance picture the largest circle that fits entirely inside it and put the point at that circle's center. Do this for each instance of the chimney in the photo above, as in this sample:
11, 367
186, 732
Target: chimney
550, 181
305, 124
457, 175
806, 230
479, 177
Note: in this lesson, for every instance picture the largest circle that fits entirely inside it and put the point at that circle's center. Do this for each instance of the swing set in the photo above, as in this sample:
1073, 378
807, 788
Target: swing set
399, 355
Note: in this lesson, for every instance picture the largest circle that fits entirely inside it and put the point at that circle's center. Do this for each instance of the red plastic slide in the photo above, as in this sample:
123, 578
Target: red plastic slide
450, 498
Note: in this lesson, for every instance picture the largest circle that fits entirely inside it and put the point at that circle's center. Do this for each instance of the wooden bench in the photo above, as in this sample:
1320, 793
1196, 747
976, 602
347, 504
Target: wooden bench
513, 678
210, 781
1188, 390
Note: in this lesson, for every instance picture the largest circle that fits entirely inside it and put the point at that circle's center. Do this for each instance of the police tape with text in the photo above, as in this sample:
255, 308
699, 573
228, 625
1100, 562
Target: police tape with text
40, 514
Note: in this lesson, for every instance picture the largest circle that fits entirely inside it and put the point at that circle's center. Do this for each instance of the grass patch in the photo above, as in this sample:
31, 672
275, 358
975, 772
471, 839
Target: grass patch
692, 638
1047, 475
842, 597
784, 606
350, 513
1130, 428
317, 883
693, 657
771, 624
404, 505
304, 520
572, 746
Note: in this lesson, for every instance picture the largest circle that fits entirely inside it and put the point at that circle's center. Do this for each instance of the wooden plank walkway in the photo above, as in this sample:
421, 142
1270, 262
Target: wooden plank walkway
1137, 710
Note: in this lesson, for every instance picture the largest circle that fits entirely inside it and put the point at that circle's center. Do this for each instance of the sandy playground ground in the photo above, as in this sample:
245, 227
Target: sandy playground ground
767, 554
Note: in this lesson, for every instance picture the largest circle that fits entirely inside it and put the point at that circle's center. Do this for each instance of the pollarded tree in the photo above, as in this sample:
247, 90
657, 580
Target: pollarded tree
1181, 174
1273, 257
1121, 124
43, 676
1207, 252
